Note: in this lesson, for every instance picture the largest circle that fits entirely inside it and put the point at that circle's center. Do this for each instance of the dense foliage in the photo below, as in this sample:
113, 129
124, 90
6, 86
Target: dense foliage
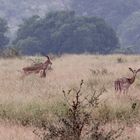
63, 32
3, 29
115, 13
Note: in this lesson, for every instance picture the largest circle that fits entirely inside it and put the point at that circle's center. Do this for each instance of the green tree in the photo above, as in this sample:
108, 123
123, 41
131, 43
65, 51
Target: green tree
28, 46
63, 32
3, 29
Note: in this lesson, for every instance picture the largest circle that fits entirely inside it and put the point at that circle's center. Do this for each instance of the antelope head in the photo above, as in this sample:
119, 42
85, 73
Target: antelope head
132, 79
48, 61
134, 71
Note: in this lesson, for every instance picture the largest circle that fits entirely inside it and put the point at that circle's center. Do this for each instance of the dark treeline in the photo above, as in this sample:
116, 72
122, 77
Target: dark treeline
4, 40
63, 32
122, 15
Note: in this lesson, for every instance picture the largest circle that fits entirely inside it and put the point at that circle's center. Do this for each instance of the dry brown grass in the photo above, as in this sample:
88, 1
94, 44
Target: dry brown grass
16, 132
20, 96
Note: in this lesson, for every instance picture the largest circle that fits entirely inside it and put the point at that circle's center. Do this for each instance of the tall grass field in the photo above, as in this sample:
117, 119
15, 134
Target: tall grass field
26, 101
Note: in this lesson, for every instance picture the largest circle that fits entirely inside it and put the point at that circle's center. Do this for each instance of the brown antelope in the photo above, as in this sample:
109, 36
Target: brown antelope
123, 84
44, 67
36, 68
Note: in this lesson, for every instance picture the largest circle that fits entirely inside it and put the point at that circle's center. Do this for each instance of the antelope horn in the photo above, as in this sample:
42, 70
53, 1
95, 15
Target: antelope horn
45, 55
48, 57
131, 70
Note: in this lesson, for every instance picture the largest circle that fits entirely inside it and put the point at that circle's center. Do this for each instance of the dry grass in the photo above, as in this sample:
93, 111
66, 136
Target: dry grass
16, 132
34, 98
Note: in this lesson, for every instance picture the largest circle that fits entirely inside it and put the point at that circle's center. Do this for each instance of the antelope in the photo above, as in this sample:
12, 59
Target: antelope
44, 67
36, 68
123, 84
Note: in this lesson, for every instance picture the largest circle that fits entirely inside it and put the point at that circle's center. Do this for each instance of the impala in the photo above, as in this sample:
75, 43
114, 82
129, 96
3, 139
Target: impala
36, 68
123, 84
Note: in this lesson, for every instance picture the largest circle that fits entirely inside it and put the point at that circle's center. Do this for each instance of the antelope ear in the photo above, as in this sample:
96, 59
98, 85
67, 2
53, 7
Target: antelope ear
138, 70
131, 70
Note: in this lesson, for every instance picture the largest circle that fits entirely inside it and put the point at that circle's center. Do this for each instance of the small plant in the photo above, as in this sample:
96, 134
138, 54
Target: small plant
120, 60
36, 61
99, 133
102, 71
11, 52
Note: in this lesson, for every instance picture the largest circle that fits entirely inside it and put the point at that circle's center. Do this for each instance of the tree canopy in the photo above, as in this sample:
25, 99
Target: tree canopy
115, 13
64, 32
3, 29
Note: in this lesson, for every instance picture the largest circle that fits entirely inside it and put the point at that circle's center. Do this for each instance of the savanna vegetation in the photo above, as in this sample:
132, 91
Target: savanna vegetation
40, 104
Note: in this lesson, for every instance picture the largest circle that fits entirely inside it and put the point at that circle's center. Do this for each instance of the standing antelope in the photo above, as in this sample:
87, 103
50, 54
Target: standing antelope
123, 84
45, 66
36, 68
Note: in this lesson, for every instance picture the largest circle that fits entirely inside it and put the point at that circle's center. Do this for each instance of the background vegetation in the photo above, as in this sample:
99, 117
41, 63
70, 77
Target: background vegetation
122, 16
63, 32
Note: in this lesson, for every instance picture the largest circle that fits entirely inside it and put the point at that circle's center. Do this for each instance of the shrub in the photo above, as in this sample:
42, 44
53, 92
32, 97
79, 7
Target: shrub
11, 52
78, 118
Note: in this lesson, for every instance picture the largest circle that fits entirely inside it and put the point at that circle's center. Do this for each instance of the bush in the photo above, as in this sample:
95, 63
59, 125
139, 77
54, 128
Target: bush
77, 119
10, 52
